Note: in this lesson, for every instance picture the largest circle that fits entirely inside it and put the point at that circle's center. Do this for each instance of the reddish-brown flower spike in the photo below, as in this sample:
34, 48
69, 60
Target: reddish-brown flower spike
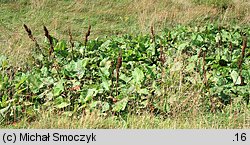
119, 60
244, 45
50, 40
152, 34
46, 32
87, 35
118, 66
162, 56
27, 30
71, 38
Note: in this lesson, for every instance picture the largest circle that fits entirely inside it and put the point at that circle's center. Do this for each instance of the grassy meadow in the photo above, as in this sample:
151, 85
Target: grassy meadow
188, 87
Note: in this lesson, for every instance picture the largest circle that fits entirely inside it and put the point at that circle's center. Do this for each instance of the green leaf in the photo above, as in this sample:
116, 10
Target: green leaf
105, 84
91, 93
4, 110
4, 64
104, 71
125, 78
21, 90
4, 100
58, 100
183, 46
104, 62
61, 45
85, 62
137, 75
120, 105
236, 78
58, 88
3, 61
190, 67
62, 105
35, 83
199, 38
94, 104
23, 79
105, 106
143, 91
144, 104
3, 113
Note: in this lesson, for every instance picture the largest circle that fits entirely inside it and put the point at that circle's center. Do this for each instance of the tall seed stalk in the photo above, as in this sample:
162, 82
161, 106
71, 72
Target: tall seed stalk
162, 60
114, 100
51, 50
244, 45
204, 69
153, 37
87, 35
71, 43
205, 81
29, 32
111, 78
231, 51
118, 66
152, 34
163, 75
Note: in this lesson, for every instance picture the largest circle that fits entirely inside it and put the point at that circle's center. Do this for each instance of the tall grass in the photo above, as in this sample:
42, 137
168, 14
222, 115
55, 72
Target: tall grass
107, 18
47, 120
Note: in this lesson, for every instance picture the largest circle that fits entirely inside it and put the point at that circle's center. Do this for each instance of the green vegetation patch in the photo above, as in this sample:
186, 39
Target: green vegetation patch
185, 69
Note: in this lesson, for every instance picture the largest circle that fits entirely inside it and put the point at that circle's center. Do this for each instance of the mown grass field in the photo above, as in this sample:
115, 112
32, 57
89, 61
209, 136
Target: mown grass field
182, 64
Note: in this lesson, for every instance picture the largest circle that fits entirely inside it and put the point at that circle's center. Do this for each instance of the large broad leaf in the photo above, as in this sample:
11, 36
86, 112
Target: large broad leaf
236, 78
105, 63
35, 83
105, 45
4, 110
61, 45
104, 71
199, 38
47, 81
60, 102
95, 104
125, 78
120, 105
183, 46
3, 61
85, 62
58, 88
3, 113
76, 68
62, 105
105, 84
105, 106
137, 75
143, 91
21, 81
91, 93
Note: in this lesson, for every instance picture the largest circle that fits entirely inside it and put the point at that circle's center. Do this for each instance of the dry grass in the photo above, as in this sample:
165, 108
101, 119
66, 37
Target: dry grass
164, 12
106, 18
93, 120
